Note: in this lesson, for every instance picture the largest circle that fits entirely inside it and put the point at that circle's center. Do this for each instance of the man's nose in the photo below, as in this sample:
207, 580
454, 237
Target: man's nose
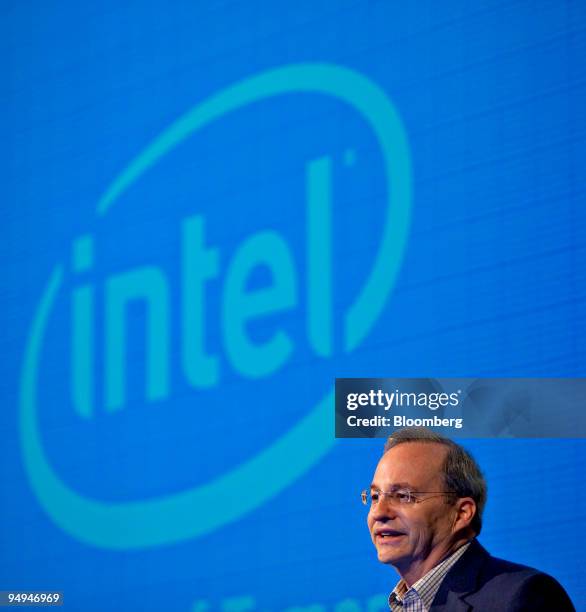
383, 510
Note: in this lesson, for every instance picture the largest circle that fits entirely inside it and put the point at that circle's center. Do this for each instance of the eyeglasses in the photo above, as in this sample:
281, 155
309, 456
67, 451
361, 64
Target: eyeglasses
399, 497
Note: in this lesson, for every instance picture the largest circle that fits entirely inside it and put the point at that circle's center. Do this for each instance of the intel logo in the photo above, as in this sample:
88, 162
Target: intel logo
101, 351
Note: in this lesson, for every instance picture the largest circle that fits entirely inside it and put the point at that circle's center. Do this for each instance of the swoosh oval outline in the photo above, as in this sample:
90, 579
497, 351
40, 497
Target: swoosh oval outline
192, 513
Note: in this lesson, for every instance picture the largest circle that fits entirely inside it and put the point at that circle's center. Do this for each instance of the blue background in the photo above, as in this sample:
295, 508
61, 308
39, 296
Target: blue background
492, 98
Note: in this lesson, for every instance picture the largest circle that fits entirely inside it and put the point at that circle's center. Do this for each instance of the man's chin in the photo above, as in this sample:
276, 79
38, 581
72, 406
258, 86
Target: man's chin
387, 555
390, 549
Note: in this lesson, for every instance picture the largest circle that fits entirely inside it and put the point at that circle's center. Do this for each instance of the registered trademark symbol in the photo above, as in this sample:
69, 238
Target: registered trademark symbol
349, 157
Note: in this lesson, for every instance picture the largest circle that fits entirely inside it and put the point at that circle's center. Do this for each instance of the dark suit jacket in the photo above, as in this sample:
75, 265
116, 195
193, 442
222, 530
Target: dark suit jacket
483, 583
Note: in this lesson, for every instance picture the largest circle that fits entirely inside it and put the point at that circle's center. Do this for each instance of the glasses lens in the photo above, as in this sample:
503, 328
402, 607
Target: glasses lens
401, 497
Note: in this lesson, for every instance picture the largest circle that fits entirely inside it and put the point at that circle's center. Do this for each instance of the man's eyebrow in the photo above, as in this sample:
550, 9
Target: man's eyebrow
394, 486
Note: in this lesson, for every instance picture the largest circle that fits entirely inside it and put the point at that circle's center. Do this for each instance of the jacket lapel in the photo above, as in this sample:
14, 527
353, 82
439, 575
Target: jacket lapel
460, 581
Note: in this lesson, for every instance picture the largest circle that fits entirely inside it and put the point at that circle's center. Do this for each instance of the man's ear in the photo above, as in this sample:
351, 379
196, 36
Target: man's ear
465, 510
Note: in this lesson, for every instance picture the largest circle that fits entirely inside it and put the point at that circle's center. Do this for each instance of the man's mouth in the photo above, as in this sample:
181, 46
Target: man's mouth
387, 536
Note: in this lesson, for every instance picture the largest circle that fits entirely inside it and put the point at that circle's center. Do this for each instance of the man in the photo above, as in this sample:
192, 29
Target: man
426, 501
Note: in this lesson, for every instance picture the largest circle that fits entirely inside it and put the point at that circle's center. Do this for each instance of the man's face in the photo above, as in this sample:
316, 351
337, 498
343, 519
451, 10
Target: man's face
418, 534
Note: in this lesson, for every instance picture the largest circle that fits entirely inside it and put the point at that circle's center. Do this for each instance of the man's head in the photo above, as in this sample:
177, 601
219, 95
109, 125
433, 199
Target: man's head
429, 495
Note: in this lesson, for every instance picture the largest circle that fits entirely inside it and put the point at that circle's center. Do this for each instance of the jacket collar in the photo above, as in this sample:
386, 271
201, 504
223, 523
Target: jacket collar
461, 580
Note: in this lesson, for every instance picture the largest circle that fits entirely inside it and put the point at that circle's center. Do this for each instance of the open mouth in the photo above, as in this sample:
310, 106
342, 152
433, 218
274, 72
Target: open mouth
387, 536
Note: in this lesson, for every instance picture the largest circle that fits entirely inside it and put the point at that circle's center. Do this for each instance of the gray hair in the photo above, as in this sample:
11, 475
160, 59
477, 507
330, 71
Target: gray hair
461, 473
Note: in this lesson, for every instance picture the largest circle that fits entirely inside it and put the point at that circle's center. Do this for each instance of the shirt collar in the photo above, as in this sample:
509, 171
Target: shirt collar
427, 586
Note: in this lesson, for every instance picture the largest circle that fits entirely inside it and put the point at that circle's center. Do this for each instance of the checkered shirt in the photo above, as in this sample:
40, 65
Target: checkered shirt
419, 597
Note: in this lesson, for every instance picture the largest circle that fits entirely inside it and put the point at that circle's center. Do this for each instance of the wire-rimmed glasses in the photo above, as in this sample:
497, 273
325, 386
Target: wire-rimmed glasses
399, 497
